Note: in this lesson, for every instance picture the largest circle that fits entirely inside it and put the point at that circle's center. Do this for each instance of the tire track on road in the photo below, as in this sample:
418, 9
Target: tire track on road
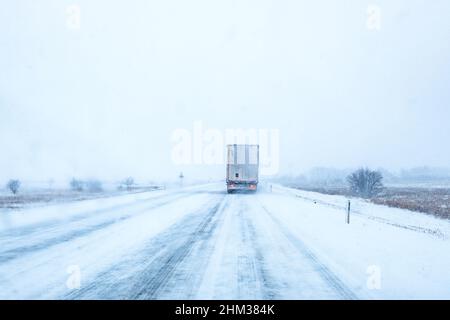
159, 273
148, 272
36, 228
10, 254
251, 270
327, 275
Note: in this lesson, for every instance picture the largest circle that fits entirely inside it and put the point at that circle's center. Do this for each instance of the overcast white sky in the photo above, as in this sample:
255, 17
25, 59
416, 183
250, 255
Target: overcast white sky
104, 100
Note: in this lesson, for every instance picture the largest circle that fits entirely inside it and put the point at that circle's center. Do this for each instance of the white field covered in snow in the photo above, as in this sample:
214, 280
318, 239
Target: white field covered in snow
411, 250
199, 242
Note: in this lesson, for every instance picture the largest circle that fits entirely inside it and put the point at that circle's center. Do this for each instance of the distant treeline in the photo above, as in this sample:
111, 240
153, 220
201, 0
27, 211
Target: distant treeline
332, 177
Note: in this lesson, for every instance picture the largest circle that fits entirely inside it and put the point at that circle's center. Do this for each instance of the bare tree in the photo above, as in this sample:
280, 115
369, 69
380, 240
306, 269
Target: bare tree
13, 185
128, 182
76, 185
365, 183
94, 185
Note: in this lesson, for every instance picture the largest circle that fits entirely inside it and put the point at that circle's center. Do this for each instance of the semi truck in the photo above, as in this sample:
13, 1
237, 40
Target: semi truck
242, 167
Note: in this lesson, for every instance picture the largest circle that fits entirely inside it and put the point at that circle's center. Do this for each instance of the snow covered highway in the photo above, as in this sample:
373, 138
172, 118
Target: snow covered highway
202, 243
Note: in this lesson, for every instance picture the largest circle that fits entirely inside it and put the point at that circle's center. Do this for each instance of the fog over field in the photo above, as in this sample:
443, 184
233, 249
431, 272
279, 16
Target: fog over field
103, 97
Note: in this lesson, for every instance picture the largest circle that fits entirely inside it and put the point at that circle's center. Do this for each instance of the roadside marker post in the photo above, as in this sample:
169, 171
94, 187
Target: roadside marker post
348, 212
181, 176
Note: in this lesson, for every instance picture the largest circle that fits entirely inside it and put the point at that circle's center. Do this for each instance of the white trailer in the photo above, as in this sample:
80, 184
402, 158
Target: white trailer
242, 167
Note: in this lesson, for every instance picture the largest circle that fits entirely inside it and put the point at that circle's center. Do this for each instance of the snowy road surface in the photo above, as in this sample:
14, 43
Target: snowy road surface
201, 243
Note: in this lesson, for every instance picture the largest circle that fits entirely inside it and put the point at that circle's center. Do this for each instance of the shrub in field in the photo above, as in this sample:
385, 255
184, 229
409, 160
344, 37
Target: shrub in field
13, 185
94, 186
365, 183
76, 185
128, 183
